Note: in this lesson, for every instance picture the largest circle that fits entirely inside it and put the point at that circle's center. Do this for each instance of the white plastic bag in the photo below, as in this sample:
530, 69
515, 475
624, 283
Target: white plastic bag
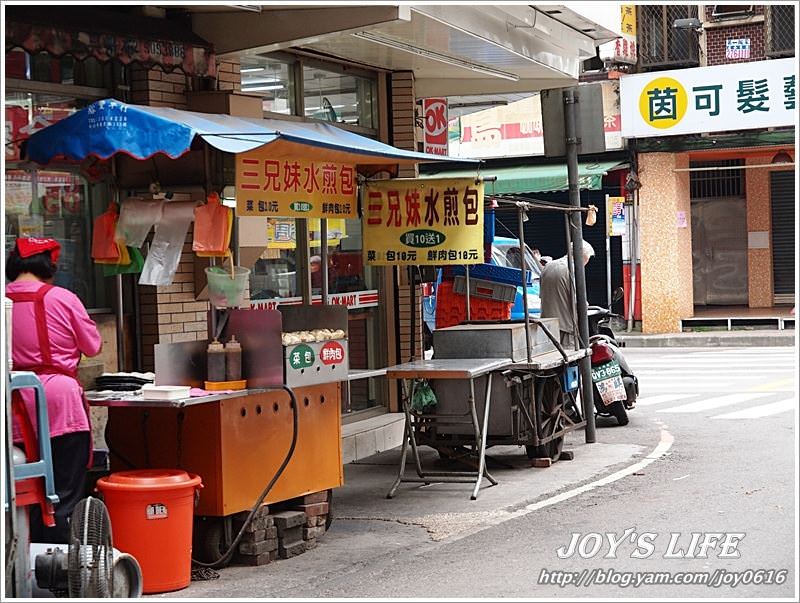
165, 251
136, 218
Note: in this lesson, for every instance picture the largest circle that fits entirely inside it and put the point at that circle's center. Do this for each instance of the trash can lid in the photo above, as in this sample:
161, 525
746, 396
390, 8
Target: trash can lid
149, 479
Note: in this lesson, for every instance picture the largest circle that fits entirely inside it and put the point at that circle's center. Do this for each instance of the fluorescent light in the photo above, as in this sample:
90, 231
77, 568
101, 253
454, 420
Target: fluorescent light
319, 108
270, 87
252, 69
261, 80
434, 55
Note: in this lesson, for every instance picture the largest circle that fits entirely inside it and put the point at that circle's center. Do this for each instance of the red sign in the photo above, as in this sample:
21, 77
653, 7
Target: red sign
332, 353
435, 115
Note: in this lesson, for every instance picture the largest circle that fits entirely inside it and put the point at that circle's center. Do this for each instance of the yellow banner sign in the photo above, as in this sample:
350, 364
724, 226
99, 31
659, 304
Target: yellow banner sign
294, 188
419, 222
628, 19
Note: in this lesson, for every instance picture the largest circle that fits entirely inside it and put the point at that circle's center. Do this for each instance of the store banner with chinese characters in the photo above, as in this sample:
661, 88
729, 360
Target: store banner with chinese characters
293, 188
615, 219
625, 45
735, 97
423, 222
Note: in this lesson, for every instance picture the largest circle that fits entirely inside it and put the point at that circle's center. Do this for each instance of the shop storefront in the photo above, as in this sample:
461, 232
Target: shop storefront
717, 214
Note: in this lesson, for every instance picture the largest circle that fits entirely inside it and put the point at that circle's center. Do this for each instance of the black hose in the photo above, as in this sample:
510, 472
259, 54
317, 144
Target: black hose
226, 556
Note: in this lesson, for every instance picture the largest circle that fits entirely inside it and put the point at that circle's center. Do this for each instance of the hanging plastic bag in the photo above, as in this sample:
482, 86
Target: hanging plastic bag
104, 246
226, 251
134, 267
423, 396
136, 218
167, 246
211, 230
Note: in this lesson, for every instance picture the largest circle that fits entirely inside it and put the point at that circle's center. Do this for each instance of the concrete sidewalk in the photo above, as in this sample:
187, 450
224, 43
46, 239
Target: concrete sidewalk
368, 527
737, 338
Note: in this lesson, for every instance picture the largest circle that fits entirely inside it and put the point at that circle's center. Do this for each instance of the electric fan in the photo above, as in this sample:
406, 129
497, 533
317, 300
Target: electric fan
91, 568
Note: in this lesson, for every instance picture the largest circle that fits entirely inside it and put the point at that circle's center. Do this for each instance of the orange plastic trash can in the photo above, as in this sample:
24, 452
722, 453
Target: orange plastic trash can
151, 514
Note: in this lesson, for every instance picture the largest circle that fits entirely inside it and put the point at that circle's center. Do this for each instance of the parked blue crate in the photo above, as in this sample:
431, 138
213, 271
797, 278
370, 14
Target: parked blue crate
495, 273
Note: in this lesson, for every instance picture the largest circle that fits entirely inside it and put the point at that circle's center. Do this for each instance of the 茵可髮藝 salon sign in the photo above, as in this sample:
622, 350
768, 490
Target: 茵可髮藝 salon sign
738, 96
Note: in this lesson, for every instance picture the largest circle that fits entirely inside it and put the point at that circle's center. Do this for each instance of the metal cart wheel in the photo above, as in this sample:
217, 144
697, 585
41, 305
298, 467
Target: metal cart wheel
551, 419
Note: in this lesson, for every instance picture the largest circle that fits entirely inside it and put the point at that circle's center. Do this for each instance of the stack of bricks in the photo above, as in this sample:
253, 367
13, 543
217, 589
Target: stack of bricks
315, 509
290, 533
259, 544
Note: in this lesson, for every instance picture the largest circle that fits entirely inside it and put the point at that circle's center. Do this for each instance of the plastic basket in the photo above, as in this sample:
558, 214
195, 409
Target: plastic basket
224, 291
485, 289
451, 307
498, 274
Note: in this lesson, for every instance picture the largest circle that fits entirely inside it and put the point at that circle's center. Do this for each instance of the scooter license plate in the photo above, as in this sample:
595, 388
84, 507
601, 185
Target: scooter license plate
607, 377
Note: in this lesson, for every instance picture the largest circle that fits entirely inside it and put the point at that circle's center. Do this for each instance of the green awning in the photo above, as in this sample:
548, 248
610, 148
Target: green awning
535, 178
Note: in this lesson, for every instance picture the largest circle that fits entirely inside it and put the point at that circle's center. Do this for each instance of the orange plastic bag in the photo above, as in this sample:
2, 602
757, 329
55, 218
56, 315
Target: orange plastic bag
226, 251
104, 247
211, 228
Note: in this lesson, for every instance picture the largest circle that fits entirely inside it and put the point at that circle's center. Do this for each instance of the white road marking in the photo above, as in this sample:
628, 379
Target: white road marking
660, 450
755, 412
715, 402
677, 479
650, 400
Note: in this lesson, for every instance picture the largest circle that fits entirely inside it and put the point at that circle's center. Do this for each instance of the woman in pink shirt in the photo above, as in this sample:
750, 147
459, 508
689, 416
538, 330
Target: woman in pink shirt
50, 331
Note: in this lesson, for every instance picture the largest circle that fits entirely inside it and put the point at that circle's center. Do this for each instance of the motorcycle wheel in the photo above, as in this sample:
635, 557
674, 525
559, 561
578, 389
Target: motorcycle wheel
620, 414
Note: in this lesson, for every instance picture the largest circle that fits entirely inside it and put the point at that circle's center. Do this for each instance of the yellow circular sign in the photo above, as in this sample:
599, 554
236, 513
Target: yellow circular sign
663, 102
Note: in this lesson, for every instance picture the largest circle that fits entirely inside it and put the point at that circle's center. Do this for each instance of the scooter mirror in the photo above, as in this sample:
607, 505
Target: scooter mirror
617, 295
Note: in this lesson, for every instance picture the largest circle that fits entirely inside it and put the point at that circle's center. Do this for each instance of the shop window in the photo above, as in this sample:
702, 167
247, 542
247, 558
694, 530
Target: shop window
275, 277
272, 79
780, 30
729, 11
42, 67
339, 97
725, 181
56, 202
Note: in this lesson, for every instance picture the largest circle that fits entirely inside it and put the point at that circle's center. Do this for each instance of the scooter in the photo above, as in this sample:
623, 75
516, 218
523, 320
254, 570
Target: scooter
615, 386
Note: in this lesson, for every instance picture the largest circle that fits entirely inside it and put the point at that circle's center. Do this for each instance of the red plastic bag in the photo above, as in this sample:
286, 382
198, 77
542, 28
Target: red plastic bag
104, 247
211, 229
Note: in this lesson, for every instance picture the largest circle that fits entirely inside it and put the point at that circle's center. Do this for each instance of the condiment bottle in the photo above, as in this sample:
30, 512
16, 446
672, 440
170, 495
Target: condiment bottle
233, 360
216, 361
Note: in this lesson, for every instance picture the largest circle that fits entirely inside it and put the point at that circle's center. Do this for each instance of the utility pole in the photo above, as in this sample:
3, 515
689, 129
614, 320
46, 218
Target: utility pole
573, 140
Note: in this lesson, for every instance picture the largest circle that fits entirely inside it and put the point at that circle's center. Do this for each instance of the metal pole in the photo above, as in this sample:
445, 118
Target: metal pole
570, 99
574, 297
524, 276
412, 296
118, 283
303, 277
608, 254
466, 283
323, 254
634, 260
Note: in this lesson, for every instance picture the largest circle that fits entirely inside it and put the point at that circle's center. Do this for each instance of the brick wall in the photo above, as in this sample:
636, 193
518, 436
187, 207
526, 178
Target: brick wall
171, 314
403, 103
717, 33
229, 76
155, 87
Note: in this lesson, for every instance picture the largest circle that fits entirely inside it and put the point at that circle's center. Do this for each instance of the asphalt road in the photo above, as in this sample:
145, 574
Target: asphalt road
727, 420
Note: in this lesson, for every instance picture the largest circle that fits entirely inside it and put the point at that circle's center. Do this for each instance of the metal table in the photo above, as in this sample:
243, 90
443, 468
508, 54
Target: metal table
123, 399
468, 369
